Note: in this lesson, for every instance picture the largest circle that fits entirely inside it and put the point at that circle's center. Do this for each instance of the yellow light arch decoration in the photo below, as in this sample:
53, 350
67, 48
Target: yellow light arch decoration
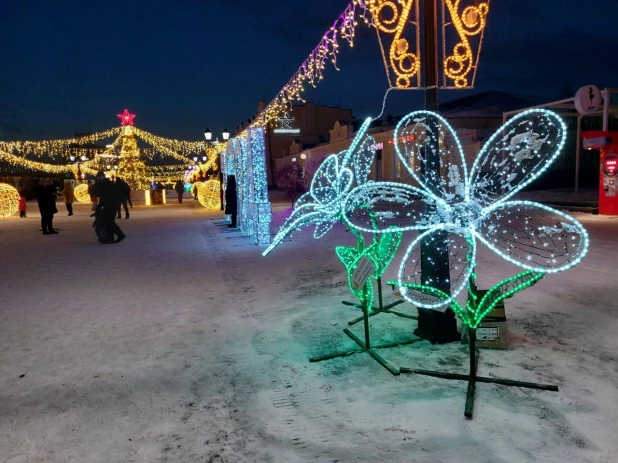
9, 200
68, 156
81, 193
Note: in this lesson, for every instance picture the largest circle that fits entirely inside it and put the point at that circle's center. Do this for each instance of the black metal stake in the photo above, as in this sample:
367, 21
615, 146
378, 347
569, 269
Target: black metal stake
472, 377
366, 346
381, 307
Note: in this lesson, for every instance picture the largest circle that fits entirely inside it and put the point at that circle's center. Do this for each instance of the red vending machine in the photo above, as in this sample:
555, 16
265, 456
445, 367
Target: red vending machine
607, 142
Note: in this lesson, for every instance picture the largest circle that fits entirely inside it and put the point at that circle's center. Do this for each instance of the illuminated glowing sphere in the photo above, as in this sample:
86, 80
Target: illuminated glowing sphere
81, 193
208, 194
9, 200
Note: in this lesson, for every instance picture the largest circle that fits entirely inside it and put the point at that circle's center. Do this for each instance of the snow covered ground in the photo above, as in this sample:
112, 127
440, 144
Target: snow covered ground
183, 344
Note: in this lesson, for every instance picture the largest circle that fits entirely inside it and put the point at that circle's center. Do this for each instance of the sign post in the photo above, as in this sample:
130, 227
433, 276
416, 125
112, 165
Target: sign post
360, 276
607, 142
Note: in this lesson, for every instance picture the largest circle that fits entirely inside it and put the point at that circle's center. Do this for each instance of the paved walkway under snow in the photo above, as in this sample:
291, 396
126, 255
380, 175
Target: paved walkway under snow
183, 344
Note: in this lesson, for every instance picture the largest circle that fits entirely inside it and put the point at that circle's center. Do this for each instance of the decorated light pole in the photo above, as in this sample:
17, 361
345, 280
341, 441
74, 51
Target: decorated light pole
75, 163
226, 137
433, 325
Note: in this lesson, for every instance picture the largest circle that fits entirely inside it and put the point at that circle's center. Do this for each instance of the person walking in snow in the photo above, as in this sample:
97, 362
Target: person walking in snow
123, 190
105, 190
69, 197
22, 206
93, 198
180, 189
45, 193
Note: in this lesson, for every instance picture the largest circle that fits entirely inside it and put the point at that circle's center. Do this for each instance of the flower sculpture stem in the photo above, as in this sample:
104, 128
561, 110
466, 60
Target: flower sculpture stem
471, 316
380, 253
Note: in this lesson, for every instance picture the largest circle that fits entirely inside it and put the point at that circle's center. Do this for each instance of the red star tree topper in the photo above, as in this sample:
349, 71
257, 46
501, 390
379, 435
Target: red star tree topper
126, 118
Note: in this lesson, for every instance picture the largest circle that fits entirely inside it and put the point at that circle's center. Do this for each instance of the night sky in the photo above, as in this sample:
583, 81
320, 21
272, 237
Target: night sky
182, 65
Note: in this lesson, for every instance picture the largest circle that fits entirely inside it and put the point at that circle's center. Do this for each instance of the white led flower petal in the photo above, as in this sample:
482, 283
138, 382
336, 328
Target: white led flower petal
323, 205
360, 154
363, 158
386, 207
533, 236
300, 217
321, 228
429, 149
324, 186
515, 156
441, 245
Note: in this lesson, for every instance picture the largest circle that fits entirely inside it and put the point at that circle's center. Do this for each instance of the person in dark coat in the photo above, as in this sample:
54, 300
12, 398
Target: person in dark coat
231, 201
180, 189
46, 200
123, 190
45, 193
106, 191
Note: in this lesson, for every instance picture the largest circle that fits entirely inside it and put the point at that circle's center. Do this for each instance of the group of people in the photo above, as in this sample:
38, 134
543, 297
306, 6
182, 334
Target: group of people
111, 196
108, 199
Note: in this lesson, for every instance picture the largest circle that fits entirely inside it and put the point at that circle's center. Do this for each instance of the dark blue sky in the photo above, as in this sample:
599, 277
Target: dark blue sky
182, 65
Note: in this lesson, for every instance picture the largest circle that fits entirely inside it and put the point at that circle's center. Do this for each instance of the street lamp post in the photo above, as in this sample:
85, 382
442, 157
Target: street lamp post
77, 161
208, 137
226, 137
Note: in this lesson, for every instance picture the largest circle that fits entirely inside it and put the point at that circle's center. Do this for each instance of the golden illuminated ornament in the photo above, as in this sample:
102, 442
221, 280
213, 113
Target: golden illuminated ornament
9, 200
208, 194
81, 193
393, 19
461, 59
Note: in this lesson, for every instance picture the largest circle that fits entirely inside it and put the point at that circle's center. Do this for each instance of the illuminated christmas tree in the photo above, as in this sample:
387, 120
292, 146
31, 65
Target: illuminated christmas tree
131, 168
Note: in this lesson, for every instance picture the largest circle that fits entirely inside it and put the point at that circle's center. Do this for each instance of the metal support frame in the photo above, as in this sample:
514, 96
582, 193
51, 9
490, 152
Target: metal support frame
473, 378
578, 152
366, 346
381, 307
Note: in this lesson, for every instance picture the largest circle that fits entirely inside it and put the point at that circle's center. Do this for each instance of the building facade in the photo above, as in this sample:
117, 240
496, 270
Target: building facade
303, 126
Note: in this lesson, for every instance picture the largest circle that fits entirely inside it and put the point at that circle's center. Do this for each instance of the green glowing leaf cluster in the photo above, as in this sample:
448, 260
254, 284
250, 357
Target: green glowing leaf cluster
381, 253
476, 310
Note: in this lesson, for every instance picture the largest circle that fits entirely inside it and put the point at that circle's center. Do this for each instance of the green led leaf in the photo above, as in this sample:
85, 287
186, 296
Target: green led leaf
501, 291
347, 256
350, 257
384, 253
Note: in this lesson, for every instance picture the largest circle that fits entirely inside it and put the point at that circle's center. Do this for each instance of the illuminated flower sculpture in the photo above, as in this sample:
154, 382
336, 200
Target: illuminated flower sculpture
452, 209
324, 204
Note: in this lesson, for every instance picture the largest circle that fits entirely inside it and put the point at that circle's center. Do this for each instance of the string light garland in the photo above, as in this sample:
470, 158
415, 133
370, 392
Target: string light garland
13, 160
390, 18
185, 148
9, 200
55, 148
311, 71
90, 160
